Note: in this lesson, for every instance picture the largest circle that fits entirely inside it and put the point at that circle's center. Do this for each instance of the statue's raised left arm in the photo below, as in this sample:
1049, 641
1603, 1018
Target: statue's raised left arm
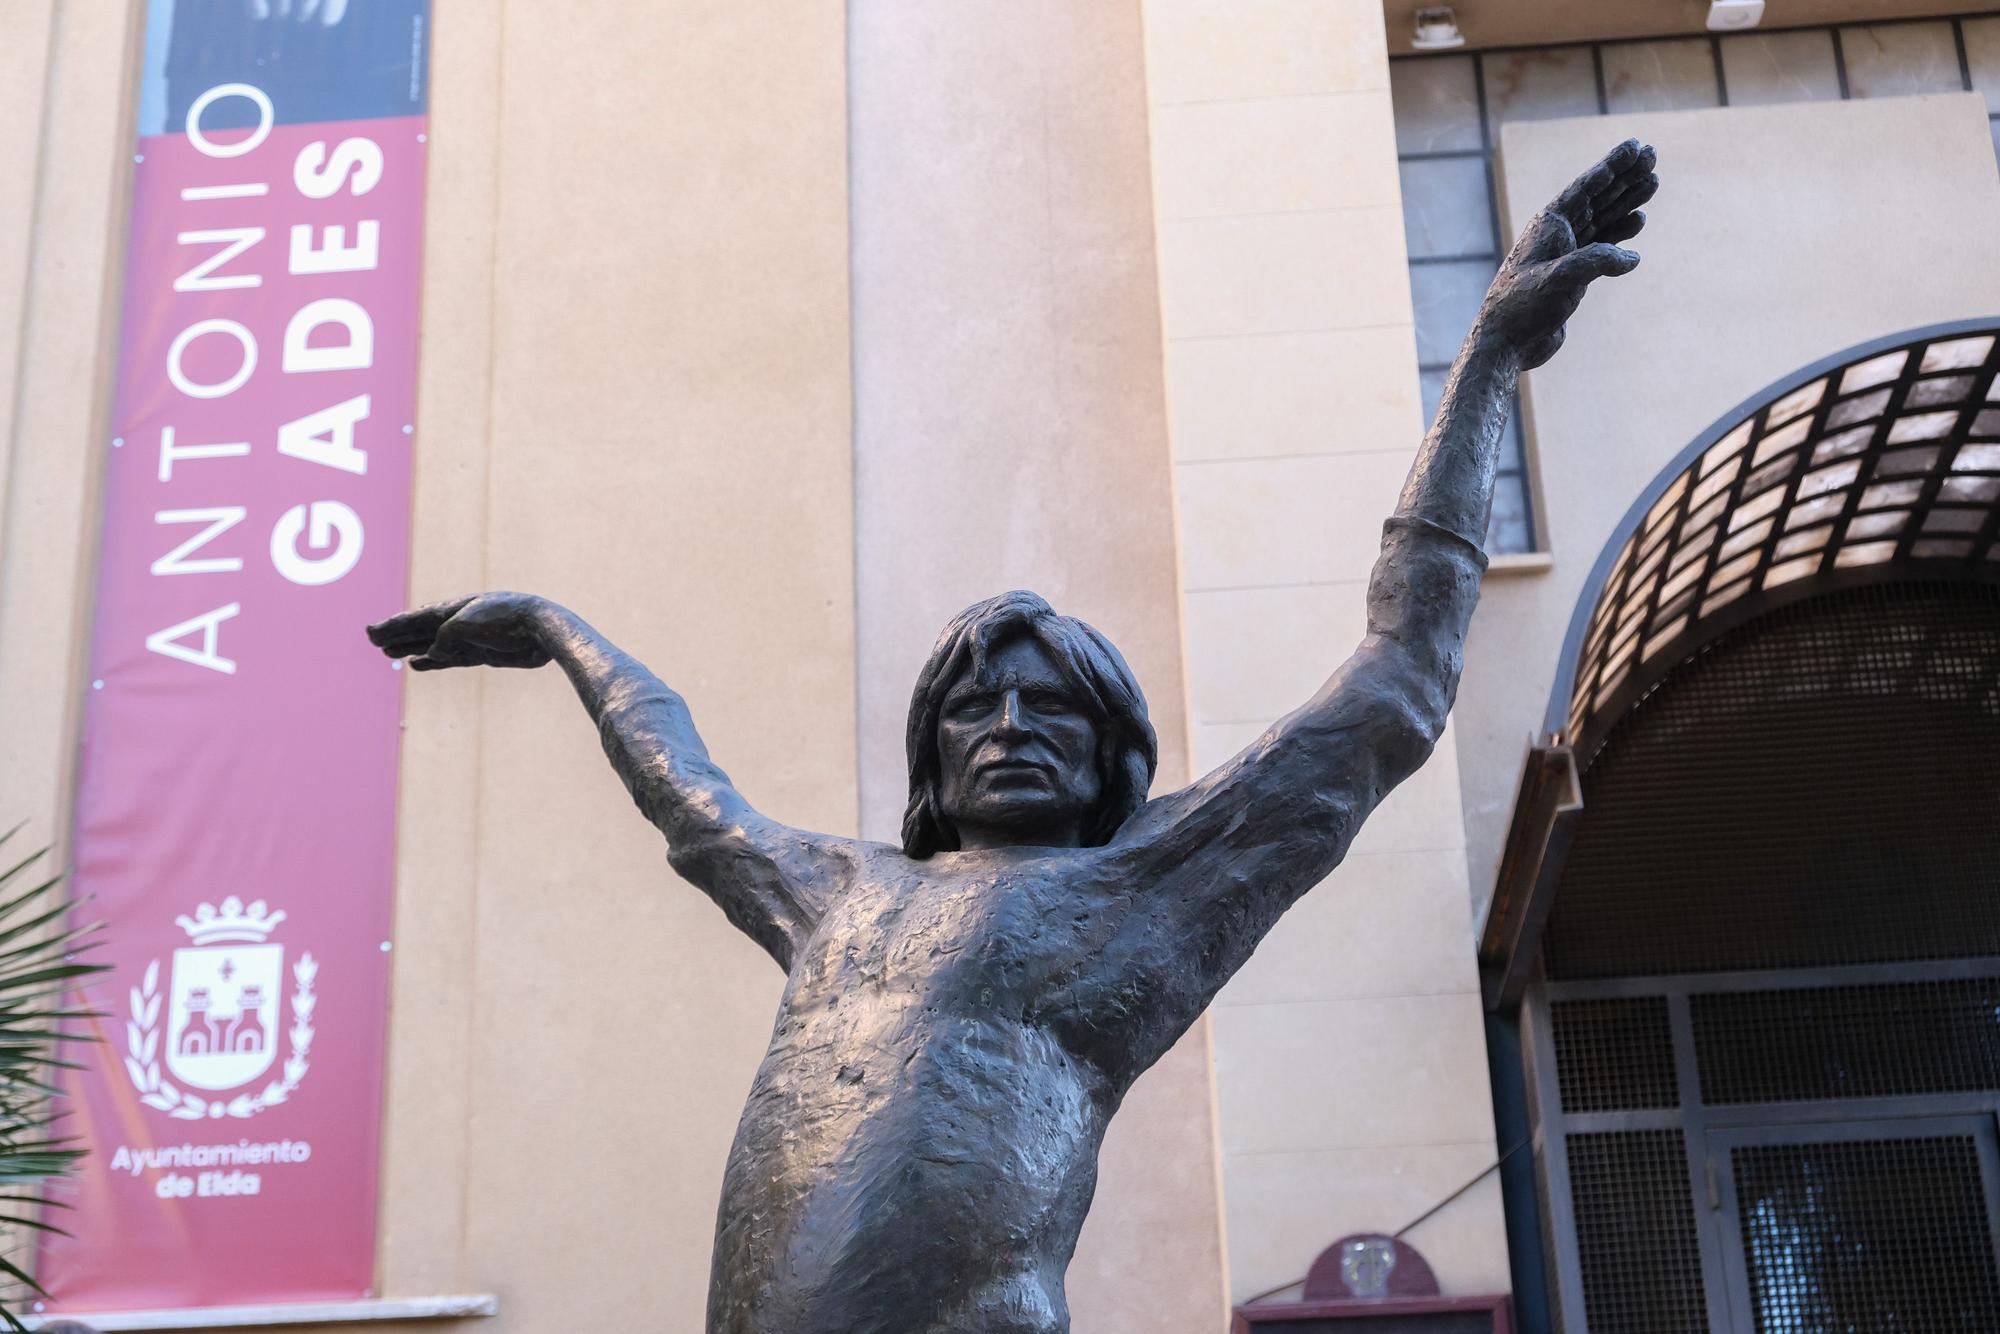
769, 879
1221, 860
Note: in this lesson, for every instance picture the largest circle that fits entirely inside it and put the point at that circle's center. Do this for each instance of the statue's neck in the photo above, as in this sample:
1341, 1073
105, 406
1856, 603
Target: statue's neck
986, 838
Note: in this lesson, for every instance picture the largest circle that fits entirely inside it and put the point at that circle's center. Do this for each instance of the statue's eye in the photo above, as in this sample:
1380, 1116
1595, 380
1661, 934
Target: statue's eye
969, 706
1050, 702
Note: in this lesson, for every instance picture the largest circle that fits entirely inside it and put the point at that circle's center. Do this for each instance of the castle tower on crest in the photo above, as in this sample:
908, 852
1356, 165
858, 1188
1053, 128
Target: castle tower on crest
246, 1030
198, 1038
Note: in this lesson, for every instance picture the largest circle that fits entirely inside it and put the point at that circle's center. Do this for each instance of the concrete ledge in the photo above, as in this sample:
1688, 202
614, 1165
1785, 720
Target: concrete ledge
300, 1313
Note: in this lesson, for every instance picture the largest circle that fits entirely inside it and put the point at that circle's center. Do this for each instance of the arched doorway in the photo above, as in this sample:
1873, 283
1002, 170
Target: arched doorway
1748, 921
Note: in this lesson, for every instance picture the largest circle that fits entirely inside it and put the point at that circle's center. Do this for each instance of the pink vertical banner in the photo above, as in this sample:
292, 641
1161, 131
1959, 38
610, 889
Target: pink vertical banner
236, 811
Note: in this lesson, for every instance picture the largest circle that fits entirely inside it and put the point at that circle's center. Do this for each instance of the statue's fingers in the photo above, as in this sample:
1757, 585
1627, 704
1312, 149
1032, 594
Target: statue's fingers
1625, 188
386, 632
402, 641
407, 648
1628, 159
1579, 202
399, 639
416, 626
440, 654
1623, 229
1600, 260
1630, 166
1635, 192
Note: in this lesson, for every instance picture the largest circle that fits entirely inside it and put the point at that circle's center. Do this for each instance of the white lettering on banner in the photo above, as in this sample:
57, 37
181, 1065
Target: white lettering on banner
357, 353
266, 118
167, 641
313, 542
219, 520
174, 1186
234, 241
327, 436
243, 1153
221, 388
241, 190
170, 453
333, 254
211, 1184
331, 523
318, 176
227, 1183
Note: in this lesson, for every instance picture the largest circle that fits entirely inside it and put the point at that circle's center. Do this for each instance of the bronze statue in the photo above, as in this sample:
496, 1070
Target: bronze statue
965, 1012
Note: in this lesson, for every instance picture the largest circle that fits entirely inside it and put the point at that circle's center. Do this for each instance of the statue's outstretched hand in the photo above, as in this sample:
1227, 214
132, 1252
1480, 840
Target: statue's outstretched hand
491, 630
1565, 246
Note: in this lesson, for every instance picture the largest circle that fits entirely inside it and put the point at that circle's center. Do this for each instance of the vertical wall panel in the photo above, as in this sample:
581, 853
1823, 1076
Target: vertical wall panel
60, 232
664, 446
1292, 377
1010, 432
433, 1027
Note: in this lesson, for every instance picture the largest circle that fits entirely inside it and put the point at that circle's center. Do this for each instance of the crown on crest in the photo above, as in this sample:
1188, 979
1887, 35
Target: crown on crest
233, 923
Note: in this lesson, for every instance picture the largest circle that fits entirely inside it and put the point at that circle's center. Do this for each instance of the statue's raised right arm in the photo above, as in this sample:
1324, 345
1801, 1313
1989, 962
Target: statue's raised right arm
769, 879
1221, 860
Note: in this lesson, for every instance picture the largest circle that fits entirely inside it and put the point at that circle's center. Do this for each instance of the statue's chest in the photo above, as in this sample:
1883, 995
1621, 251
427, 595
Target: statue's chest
974, 942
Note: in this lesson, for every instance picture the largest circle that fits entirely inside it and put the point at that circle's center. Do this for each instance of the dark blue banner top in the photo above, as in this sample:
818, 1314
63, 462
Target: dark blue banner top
317, 60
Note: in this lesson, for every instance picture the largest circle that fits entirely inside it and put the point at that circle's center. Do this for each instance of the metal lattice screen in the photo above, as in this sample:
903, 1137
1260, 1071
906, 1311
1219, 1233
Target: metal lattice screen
1816, 787
1888, 1235
1635, 1233
1823, 1043
1613, 1055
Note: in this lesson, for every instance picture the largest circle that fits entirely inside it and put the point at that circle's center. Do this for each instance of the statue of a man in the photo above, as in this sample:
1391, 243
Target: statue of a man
964, 1013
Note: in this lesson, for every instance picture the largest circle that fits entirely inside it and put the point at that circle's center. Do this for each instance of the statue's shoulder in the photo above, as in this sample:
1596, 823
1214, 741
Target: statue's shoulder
858, 859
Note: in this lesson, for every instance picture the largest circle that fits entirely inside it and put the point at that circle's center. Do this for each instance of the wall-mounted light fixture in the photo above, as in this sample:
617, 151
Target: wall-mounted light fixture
1437, 29
1733, 15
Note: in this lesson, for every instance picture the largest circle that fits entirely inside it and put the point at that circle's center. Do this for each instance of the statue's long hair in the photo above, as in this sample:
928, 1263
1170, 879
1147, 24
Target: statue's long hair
1127, 750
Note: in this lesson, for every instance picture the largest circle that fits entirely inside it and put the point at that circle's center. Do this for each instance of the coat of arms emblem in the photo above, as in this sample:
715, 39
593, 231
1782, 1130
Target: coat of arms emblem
224, 1016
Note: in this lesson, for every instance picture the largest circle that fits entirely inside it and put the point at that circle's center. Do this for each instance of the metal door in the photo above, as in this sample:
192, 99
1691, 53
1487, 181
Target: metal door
1859, 1227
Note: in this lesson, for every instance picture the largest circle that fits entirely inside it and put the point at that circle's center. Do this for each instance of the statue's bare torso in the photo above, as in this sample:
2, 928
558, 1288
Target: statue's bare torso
923, 1132
920, 1144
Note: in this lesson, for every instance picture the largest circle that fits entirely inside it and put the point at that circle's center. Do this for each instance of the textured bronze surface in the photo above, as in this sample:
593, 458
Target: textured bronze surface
965, 1012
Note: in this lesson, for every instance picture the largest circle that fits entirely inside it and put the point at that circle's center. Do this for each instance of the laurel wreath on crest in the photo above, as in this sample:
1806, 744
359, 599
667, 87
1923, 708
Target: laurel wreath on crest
142, 1044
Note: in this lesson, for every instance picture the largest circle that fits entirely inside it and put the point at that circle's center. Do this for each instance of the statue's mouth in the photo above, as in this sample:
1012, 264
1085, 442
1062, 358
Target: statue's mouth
1015, 765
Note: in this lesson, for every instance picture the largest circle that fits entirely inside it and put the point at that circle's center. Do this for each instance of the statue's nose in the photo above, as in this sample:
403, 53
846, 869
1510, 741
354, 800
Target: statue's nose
1013, 723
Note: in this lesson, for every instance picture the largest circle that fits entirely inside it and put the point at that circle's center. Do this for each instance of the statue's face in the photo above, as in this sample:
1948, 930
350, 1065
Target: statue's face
1017, 752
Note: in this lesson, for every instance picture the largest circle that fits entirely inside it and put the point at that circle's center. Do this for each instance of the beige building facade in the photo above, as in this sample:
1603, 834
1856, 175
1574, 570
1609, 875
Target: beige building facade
769, 335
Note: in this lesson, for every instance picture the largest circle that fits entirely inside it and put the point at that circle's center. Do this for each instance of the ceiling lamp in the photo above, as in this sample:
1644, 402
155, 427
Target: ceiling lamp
1734, 15
1437, 29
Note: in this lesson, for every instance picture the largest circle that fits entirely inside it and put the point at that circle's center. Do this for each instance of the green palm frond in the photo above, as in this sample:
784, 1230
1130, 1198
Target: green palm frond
41, 965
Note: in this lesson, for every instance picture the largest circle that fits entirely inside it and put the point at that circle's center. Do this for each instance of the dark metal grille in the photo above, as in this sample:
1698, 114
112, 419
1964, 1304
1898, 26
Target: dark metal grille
1867, 1235
1817, 786
1848, 1042
1614, 1055
1637, 1250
